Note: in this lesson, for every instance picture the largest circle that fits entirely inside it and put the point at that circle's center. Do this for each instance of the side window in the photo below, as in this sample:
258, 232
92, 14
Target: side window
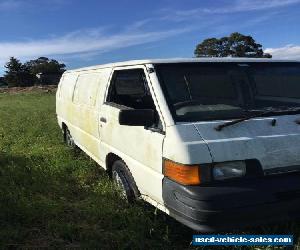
129, 88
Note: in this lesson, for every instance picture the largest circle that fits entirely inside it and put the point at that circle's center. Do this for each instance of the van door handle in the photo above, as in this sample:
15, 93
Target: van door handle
103, 119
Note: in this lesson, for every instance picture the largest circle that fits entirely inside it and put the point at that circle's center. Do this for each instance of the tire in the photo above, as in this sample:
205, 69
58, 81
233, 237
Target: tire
123, 179
69, 139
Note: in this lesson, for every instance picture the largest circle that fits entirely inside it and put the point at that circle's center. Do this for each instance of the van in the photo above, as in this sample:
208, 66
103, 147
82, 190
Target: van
214, 143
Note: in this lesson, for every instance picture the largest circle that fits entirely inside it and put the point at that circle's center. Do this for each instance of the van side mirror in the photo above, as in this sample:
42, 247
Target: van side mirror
136, 117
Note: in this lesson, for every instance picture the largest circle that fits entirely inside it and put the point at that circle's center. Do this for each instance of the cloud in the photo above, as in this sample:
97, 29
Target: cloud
89, 42
86, 44
29, 5
254, 5
7, 5
290, 52
236, 6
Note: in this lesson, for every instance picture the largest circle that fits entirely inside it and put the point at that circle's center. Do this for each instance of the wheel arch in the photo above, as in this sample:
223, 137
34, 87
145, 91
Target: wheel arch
109, 161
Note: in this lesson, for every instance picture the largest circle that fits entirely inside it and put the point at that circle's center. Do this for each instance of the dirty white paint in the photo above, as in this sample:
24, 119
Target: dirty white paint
81, 103
141, 149
274, 146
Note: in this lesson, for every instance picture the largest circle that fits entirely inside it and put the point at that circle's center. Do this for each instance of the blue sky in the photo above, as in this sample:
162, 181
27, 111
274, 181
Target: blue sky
82, 33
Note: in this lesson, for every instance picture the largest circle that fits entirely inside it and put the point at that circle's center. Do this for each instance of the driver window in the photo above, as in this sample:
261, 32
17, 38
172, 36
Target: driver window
129, 88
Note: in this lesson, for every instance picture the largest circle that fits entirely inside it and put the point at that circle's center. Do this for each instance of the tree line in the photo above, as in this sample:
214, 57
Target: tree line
44, 70
39, 71
234, 45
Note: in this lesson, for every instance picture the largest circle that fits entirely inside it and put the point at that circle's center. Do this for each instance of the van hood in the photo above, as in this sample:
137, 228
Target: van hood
275, 146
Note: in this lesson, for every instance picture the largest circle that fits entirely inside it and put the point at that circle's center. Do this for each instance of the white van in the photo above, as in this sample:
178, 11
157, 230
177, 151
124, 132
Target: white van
214, 143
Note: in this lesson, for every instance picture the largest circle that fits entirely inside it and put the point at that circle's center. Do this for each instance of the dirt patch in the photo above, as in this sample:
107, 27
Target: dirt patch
45, 88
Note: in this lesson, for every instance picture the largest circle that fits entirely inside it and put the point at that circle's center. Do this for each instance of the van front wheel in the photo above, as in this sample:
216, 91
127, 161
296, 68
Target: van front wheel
123, 179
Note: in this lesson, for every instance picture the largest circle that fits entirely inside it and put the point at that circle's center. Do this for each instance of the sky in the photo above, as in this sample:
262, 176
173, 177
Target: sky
82, 33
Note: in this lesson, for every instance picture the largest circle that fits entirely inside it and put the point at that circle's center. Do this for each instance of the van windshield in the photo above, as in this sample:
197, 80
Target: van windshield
213, 91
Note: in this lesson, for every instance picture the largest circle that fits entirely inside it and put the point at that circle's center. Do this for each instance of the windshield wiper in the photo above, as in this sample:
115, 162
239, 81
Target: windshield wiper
287, 111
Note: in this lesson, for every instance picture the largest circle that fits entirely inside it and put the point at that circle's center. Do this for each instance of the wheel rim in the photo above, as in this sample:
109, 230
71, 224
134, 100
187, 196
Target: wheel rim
69, 139
119, 183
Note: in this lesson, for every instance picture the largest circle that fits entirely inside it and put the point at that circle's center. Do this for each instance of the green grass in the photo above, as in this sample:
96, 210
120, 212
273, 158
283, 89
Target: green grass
51, 196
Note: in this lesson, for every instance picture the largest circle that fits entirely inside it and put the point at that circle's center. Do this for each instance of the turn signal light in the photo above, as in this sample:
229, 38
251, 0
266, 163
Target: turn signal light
183, 174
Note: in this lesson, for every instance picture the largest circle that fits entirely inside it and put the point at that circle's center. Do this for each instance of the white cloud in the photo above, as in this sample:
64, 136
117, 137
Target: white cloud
235, 7
88, 43
7, 5
291, 52
92, 41
252, 5
30, 5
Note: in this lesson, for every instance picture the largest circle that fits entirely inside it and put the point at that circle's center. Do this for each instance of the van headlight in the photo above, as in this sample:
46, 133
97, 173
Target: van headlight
228, 170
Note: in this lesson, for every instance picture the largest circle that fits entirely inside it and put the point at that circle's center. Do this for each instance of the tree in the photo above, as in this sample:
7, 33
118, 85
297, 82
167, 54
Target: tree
17, 74
2, 82
46, 71
236, 45
44, 65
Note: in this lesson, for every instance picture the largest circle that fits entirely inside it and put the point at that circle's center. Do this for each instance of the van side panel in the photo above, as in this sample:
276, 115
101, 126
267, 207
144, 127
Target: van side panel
85, 114
139, 147
80, 110
64, 96
78, 106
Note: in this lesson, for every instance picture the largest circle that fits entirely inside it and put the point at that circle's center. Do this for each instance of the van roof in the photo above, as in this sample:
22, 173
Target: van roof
178, 60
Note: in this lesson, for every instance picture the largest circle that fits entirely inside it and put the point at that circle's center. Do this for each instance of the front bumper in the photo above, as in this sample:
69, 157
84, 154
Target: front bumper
236, 204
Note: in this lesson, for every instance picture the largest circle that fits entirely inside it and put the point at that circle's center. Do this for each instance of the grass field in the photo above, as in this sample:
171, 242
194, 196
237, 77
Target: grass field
51, 196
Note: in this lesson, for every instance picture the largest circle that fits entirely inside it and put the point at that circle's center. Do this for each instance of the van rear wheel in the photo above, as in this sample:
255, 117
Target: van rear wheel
123, 179
69, 139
